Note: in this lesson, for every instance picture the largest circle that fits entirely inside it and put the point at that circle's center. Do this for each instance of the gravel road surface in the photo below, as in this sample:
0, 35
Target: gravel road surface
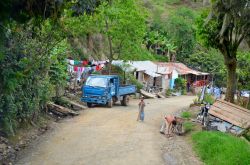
104, 136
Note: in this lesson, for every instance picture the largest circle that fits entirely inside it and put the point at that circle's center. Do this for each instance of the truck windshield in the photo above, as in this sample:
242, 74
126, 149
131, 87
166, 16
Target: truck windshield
96, 82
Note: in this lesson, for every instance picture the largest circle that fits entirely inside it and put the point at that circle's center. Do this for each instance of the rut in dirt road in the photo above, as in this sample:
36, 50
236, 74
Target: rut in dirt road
104, 136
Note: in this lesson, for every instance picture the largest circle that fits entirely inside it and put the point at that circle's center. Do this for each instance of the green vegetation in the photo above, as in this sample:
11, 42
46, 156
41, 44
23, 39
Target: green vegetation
221, 148
224, 30
208, 98
171, 2
36, 39
188, 126
180, 85
168, 92
186, 114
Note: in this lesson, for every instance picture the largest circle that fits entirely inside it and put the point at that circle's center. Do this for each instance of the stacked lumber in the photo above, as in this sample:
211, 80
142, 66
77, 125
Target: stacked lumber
60, 110
160, 95
75, 105
146, 94
231, 113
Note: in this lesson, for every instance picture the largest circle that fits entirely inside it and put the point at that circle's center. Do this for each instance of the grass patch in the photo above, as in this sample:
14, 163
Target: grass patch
171, 2
188, 126
186, 115
220, 148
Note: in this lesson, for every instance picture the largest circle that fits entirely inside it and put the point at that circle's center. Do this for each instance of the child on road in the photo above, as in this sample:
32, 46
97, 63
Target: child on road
141, 110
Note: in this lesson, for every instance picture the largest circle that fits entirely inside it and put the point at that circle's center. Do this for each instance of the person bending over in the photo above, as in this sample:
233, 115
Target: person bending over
170, 122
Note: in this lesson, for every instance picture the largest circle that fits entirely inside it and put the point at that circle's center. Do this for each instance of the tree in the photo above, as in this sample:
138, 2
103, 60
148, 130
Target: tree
123, 23
226, 26
158, 43
209, 61
180, 30
243, 70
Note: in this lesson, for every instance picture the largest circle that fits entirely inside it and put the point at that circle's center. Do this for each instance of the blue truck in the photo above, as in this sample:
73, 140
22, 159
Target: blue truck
106, 90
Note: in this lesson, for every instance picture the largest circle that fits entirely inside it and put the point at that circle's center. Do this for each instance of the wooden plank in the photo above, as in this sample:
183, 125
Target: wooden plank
221, 116
62, 109
234, 108
73, 103
146, 94
232, 117
231, 109
160, 95
235, 112
227, 114
233, 105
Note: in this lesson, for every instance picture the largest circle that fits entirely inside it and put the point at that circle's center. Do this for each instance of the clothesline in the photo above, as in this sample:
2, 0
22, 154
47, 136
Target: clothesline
85, 62
84, 68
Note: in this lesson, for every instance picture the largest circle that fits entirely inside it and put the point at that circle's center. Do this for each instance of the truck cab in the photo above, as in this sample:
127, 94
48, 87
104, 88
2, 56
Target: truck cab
106, 90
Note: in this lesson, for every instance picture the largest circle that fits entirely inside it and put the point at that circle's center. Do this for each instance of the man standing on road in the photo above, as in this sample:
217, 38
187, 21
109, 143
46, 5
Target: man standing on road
141, 110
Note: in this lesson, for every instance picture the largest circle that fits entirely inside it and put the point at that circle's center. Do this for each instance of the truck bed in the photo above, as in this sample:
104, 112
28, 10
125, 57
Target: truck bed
126, 90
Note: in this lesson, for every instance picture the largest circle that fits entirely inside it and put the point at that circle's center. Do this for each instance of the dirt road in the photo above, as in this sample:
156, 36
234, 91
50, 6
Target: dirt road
103, 136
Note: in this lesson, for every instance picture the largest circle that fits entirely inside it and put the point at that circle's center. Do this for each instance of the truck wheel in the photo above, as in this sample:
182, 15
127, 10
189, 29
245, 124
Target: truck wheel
89, 105
125, 100
110, 103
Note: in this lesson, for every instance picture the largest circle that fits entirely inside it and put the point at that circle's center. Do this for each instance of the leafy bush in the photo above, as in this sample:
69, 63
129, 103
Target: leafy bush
127, 75
188, 126
184, 92
180, 85
208, 98
221, 148
171, 2
30, 72
168, 92
186, 115
195, 101
133, 80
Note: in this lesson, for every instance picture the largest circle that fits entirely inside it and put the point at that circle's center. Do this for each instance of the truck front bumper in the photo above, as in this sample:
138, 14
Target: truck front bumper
94, 100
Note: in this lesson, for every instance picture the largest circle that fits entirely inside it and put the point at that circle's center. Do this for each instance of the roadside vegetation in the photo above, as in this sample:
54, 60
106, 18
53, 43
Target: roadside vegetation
221, 148
36, 39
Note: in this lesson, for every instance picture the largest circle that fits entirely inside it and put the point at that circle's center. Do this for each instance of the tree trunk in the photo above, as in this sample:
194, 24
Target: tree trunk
90, 44
231, 80
110, 48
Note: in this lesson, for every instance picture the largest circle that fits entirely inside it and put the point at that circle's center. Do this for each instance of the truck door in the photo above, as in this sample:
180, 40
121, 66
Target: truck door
116, 85
112, 86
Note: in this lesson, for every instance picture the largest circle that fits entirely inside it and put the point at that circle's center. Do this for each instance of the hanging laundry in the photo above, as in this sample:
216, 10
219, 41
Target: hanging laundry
102, 66
75, 68
71, 62
77, 62
85, 63
79, 73
70, 68
98, 67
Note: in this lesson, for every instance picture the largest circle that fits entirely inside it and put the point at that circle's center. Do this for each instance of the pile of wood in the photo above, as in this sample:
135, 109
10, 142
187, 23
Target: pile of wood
232, 116
151, 95
60, 110
74, 105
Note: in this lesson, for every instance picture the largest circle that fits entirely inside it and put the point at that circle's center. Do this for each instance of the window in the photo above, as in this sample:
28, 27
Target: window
96, 82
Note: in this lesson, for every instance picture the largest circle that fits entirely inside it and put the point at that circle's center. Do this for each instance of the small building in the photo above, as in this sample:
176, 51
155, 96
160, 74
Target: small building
193, 77
163, 74
146, 72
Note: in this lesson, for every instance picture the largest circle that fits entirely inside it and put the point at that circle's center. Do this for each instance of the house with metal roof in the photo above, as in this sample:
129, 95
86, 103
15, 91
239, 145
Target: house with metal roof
162, 74
194, 78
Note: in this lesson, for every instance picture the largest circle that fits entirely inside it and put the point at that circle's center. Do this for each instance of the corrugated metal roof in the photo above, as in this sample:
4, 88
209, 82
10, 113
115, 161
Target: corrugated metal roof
181, 68
157, 69
148, 67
